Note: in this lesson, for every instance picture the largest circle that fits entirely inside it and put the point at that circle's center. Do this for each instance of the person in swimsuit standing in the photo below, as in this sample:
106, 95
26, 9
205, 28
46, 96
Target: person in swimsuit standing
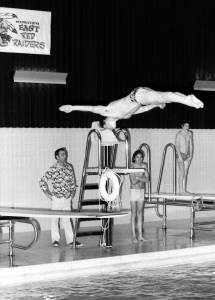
184, 153
137, 195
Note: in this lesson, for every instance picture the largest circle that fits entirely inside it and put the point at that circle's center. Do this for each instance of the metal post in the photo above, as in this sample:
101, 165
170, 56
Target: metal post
192, 221
174, 168
107, 223
11, 237
164, 238
164, 215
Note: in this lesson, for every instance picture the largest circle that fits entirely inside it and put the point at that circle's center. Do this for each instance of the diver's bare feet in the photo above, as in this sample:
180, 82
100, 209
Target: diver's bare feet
192, 101
141, 239
162, 105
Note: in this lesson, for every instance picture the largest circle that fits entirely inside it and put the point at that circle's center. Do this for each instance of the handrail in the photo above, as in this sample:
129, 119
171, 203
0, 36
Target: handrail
172, 146
174, 170
148, 153
36, 226
127, 144
88, 145
86, 161
9, 222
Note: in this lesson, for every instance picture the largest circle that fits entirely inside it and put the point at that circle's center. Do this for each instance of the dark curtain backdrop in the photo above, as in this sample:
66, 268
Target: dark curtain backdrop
109, 47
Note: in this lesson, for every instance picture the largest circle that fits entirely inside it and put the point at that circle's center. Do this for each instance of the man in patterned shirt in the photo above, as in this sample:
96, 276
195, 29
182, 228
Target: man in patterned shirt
61, 177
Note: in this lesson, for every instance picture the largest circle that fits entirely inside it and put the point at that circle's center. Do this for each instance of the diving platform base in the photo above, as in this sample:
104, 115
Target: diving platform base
195, 202
9, 216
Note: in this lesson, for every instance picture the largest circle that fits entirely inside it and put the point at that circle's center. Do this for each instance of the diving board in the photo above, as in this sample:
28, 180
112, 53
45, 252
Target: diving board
172, 196
118, 170
128, 170
47, 213
208, 197
203, 199
11, 215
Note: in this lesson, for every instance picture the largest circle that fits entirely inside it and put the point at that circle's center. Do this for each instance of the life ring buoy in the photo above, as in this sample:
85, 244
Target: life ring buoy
115, 185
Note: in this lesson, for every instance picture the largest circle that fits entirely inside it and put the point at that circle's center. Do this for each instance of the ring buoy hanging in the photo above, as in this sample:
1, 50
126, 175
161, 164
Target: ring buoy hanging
106, 177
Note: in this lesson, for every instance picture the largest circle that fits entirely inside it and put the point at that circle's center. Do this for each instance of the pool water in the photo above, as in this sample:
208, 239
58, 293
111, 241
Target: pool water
178, 282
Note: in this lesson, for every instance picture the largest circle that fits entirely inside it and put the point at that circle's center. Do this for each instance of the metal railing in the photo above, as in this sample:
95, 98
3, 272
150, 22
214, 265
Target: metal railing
171, 146
9, 222
86, 161
126, 140
174, 173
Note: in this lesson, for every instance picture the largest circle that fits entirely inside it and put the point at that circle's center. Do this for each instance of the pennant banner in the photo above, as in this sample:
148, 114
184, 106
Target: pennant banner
25, 31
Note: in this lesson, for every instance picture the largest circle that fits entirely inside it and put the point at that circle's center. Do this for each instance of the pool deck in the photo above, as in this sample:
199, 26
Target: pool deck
43, 255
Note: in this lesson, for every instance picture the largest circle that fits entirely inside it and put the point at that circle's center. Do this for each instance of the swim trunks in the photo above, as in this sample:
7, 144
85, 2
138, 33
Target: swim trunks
137, 195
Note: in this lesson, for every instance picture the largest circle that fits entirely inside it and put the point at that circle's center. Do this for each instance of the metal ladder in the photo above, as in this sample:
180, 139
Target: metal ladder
86, 172
106, 158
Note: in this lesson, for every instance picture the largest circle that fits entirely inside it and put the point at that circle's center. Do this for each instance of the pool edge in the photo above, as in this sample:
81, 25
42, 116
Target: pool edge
85, 267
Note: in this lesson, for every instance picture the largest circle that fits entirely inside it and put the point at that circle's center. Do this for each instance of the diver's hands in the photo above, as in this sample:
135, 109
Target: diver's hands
162, 105
66, 108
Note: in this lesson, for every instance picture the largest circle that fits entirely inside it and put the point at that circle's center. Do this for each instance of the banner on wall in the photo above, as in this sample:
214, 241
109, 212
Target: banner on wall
25, 31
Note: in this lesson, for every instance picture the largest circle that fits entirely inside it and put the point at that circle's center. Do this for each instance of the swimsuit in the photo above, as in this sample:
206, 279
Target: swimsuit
137, 195
133, 94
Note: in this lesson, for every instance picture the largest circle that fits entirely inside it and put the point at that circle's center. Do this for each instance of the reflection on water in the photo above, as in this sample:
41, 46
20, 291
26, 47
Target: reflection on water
175, 283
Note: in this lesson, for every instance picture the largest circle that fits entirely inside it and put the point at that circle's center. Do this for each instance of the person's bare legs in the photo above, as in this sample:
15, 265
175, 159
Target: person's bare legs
143, 217
147, 96
189, 100
140, 206
186, 170
133, 219
181, 177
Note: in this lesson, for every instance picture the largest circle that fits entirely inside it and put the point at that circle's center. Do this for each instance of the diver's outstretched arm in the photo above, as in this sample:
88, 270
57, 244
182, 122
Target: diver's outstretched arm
98, 109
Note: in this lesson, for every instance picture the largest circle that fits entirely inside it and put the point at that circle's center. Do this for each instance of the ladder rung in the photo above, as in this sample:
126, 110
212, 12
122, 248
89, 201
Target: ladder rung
86, 233
92, 169
93, 202
91, 186
91, 172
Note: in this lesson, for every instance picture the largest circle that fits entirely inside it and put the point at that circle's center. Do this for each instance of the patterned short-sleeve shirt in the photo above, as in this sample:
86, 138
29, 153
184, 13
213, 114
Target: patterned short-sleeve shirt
62, 180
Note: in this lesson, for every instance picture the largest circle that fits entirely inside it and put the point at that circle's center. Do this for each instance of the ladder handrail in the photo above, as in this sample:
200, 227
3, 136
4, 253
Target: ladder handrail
88, 145
86, 161
127, 144
148, 153
172, 146
36, 226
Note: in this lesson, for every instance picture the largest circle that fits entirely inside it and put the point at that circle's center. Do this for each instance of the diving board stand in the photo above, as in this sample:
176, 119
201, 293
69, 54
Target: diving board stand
196, 203
11, 215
